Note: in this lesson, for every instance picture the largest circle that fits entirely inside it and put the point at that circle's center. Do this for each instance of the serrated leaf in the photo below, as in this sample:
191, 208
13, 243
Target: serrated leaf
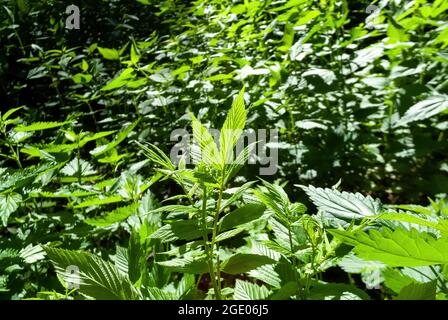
118, 139
121, 80
244, 262
186, 265
228, 234
179, 230
397, 248
78, 166
95, 277
209, 153
8, 204
117, 215
31, 254
343, 205
232, 128
425, 109
109, 54
37, 126
242, 215
249, 291
98, 201
418, 291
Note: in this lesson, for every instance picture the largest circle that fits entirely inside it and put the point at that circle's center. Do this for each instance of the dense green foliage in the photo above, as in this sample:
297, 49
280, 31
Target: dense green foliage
92, 205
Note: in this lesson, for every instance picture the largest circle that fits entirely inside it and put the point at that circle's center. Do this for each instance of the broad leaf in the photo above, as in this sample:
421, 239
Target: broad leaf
343, 205
94, 276
397, 248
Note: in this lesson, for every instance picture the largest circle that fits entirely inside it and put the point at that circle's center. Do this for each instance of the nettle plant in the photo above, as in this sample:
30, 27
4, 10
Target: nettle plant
251, 242
286, 261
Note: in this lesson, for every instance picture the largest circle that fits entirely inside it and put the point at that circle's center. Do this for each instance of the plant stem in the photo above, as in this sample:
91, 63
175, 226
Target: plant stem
214, 234
208, 250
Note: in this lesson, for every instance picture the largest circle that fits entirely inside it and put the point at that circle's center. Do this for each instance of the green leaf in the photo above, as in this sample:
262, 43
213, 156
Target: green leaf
249, 291
336, 291
186, 265
395, 280
118, 139
109, 54
179, 230
244, 262
8, 204
232, 128
343, 205
418, 291
425, 109
94, 137
137, 264
78, 166
397, 248
242, 215
112, 217
228, 234
310, 15
95, 277
37, 126
82, 78
158, 294
121, 80
208, 149
31, 254
276, 199
235, 194
10, 112
440, 225
98, 201
286, 291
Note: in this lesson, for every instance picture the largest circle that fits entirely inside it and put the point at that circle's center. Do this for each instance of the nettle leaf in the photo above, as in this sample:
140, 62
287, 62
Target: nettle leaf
395, 280
118, 139
242, 215
158, 294
422, 220
235, 194
425, 109
418, 291
343, 205
209, 153
9, 203
94, 276
37, 126
249, 291
117, 215
31, 254
98, 201
94, 137
232, 128
327, 76
15, 179
276, 199
179, 230
286, 291
78, 166
228, 234
336, 291
244, 262
397, 248
121, 80
109, 54
9, 113
186, 265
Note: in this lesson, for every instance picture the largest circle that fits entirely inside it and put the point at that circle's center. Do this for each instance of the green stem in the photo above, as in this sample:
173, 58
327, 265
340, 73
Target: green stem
208, 250
214, 234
